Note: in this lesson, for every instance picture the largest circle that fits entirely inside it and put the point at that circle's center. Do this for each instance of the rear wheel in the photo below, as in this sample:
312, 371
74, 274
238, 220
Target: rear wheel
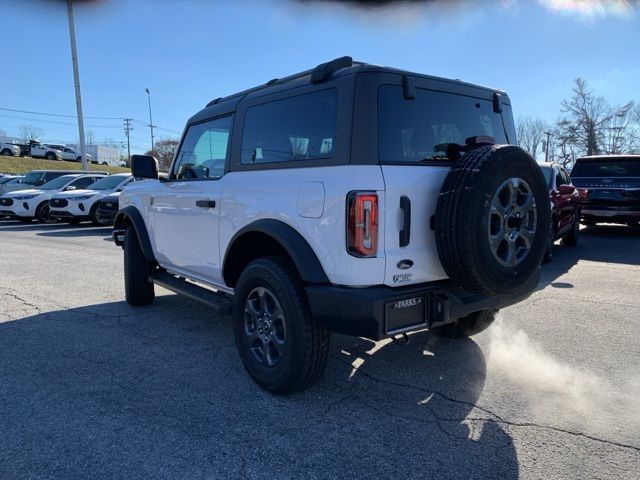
571, 238
281, 346
548, 253
7, 152
43, 213
467, 326
138, 289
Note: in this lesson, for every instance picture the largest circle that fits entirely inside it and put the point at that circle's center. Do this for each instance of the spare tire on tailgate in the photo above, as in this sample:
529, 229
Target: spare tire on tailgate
492, 220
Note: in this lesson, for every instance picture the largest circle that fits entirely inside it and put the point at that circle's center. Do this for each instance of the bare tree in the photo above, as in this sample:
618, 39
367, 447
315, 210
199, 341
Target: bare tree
164, 150
620, 134
530, 134
28, 133
586, 119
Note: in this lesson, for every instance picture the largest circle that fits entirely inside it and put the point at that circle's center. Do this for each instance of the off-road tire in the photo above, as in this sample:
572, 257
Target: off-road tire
42, 213
472, 324
138, 289
463, 213
571, 238
50, 156
306, 345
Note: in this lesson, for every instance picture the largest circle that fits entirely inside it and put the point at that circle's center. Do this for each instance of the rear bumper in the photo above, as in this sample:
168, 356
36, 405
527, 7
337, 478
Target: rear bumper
382, 312
610, 214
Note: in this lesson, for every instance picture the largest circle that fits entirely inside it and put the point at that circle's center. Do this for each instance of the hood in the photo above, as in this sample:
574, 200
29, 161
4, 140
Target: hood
75, 193
17, 193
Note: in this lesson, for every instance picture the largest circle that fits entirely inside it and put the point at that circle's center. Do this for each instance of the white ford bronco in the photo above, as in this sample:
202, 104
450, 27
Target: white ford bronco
351, 198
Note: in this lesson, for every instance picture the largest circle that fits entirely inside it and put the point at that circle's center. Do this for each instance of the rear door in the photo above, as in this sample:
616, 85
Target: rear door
414, 131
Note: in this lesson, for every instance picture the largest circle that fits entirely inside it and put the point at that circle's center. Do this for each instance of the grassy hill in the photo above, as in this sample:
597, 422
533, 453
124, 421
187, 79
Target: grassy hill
16, 165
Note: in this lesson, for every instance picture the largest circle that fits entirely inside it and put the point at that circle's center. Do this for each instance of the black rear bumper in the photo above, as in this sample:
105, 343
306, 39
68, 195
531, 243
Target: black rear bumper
381, 312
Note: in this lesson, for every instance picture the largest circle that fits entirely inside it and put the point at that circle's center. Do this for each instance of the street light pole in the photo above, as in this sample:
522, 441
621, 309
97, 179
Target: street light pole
76, 81
151, 125
546, 149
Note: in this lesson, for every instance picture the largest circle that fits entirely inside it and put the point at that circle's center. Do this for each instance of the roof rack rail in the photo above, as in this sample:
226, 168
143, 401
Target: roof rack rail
324, 70
318, 74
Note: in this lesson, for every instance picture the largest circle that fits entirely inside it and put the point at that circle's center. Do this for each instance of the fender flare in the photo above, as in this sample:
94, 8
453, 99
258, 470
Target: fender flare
303, 257
131, 215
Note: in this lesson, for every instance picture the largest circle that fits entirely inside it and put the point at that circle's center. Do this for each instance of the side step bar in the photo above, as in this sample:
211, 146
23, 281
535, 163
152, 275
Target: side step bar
217, 301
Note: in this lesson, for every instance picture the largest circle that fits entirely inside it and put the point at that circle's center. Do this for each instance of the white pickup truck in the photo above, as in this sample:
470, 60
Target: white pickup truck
40, 150
9, 149
73, 156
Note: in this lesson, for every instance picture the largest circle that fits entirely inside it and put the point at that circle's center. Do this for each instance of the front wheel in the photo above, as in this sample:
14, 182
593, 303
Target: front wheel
281, 346
138, 289
43, 213
50, 156
472, 324
7, 152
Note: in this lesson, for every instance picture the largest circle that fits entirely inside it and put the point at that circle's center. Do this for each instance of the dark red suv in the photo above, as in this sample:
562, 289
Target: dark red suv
565, 207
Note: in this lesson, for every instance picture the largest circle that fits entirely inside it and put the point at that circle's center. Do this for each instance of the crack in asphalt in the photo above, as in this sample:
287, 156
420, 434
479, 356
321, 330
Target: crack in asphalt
496, 417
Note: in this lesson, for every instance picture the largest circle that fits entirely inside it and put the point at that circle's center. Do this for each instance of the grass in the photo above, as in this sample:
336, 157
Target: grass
16, 165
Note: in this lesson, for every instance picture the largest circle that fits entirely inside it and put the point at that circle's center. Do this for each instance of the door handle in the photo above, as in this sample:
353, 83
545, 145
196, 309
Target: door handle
206, 203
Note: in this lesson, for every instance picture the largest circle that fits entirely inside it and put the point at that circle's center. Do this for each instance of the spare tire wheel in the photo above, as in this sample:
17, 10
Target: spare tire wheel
492, 220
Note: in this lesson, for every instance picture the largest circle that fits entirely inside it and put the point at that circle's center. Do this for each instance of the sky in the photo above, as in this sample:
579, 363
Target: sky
191, 51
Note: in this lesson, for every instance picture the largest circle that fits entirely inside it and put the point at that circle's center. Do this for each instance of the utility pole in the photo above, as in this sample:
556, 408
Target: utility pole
76, 81
127, 130
151, 125
546, 147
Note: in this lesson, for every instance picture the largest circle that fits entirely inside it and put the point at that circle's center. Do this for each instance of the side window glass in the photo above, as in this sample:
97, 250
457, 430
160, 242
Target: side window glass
295, 128
83, 182
204, 150
559, 179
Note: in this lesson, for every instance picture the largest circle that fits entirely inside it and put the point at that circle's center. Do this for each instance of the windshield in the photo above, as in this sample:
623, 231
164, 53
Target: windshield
607, 167
57, 182
547, 172
107, 183
31, 178
425, 127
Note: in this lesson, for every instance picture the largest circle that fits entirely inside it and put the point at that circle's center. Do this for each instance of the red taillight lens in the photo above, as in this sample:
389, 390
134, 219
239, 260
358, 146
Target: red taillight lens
583, 192
362, 224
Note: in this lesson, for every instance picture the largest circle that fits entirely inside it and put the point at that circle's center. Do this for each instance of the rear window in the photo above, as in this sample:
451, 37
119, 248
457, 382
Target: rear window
607, 167
420, 129
293, 129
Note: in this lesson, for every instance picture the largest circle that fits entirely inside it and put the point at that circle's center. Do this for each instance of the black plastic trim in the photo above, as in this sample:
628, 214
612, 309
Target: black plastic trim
303, 256
405, 233
133, 215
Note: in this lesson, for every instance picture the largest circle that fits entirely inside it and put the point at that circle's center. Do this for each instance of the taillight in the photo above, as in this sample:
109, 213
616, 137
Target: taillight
362, 224
583, 192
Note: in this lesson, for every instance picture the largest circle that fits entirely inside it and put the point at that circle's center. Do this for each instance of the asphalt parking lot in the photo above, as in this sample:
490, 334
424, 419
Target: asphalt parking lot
93, 388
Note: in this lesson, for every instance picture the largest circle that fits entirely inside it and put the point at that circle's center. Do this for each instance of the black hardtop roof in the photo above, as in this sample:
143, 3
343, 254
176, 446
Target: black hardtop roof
335, 68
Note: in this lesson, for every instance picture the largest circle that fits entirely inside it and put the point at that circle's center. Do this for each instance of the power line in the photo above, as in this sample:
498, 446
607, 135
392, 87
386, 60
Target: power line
57, 114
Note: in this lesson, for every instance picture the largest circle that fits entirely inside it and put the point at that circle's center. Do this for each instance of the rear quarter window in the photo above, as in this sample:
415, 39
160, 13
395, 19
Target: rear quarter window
412, 130
292, 129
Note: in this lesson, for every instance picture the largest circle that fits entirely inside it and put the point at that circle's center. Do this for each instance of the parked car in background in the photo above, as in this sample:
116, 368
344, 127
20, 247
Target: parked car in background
8, 178
40, 150
565, 207
78, 205
9, 149
610, 188
71, 155
36, 178
108, 208
25, 205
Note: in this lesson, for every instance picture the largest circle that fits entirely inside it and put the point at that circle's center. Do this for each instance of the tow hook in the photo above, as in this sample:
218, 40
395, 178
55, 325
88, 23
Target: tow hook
401, 339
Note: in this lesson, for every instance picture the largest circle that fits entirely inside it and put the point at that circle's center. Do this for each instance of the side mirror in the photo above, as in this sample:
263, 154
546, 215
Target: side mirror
144, 166
566, 189
69, 188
